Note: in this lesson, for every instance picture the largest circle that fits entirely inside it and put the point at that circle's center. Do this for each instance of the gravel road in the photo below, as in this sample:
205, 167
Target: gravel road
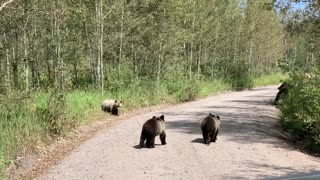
249, 145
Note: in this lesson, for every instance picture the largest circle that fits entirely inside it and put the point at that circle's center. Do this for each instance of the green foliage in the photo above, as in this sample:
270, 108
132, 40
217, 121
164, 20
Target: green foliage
274, 79
54, 114
239, 75
143, 53
28, 120
118, 80
183, 88
301, 109
19, 128
189, 91
82, 104
212, 86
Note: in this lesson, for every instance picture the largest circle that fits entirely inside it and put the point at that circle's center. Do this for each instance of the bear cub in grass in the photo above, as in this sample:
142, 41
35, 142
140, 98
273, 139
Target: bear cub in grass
210, 126
111, 106
152, 128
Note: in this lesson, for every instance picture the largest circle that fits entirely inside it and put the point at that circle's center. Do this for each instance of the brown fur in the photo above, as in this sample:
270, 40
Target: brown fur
111, 106
210, 127
283, 90
152, 128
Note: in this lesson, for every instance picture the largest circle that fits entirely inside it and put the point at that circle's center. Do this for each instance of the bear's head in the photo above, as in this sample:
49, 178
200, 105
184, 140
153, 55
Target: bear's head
214, 116
117, 103
161, 118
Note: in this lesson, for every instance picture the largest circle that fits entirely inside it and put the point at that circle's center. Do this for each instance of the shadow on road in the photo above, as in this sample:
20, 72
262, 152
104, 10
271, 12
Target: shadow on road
259, 169
198, 140
314, 175
244, 121
253, 102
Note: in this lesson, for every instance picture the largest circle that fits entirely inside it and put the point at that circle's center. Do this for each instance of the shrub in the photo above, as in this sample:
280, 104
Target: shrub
239, 76
54, 114
301, 109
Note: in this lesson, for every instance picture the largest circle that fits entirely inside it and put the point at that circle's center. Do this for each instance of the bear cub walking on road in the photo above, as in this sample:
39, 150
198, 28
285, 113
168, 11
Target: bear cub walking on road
152, 128
210, 126
111, 106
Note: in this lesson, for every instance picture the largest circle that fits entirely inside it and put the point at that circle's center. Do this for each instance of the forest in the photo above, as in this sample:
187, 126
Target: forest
59, 59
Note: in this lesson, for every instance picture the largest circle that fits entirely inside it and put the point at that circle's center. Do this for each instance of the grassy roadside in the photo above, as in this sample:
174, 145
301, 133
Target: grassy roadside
271, 79
29, 123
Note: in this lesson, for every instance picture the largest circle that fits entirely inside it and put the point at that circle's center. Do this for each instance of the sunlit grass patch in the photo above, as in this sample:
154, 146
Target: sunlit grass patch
270, 79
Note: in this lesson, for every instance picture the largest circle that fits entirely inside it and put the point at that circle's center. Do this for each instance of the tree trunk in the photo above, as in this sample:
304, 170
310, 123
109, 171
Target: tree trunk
159, 65
199, 61
7, 66
98, 15
101, 47
91, 54
121, 40
191, 48
215, 49
25, 55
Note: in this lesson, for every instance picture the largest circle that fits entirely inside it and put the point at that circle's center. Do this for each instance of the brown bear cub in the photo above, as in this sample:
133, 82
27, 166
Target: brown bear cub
210, 126
152, 128
283, 90
111, 106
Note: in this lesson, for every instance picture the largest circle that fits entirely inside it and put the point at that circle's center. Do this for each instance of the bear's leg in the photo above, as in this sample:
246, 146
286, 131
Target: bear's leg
142, 139
148, 143
281, 93
277, 98
163, 138
116, 111
205, 135
209, 138
152, 141
214, 137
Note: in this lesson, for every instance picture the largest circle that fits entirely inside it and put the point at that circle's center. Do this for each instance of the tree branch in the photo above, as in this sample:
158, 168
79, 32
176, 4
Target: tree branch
4, 4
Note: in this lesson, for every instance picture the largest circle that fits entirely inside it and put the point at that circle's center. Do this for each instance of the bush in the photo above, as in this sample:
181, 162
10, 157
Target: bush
54, 114
189, 91
239, 76
301, 109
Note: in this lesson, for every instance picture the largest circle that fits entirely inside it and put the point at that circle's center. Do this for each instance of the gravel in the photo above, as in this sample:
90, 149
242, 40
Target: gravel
249, 145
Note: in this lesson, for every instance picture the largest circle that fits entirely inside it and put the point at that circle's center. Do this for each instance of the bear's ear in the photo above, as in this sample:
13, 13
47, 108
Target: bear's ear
153, 117
218, 117
210, 114
116, 101
162, 117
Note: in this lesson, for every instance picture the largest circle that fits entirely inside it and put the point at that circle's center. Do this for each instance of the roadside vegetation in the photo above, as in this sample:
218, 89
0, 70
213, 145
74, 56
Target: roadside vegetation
59, 59
32, 121
300, 108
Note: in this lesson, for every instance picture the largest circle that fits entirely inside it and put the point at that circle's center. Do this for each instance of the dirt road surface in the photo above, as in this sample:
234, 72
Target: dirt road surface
249, 145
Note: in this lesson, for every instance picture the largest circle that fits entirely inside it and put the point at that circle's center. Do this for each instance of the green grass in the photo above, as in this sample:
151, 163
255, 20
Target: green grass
35, 121
271, 79
81, 105
213, 87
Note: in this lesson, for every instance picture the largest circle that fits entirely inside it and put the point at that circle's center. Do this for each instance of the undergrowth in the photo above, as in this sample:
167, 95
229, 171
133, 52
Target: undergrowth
300, 110
28, 121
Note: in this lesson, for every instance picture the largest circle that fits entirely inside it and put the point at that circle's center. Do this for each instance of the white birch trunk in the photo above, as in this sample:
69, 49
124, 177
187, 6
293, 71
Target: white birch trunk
199, 61
25, 56
215, 48
101, 47
121, 40
191, 48
7, 67
159, 66
98, 42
